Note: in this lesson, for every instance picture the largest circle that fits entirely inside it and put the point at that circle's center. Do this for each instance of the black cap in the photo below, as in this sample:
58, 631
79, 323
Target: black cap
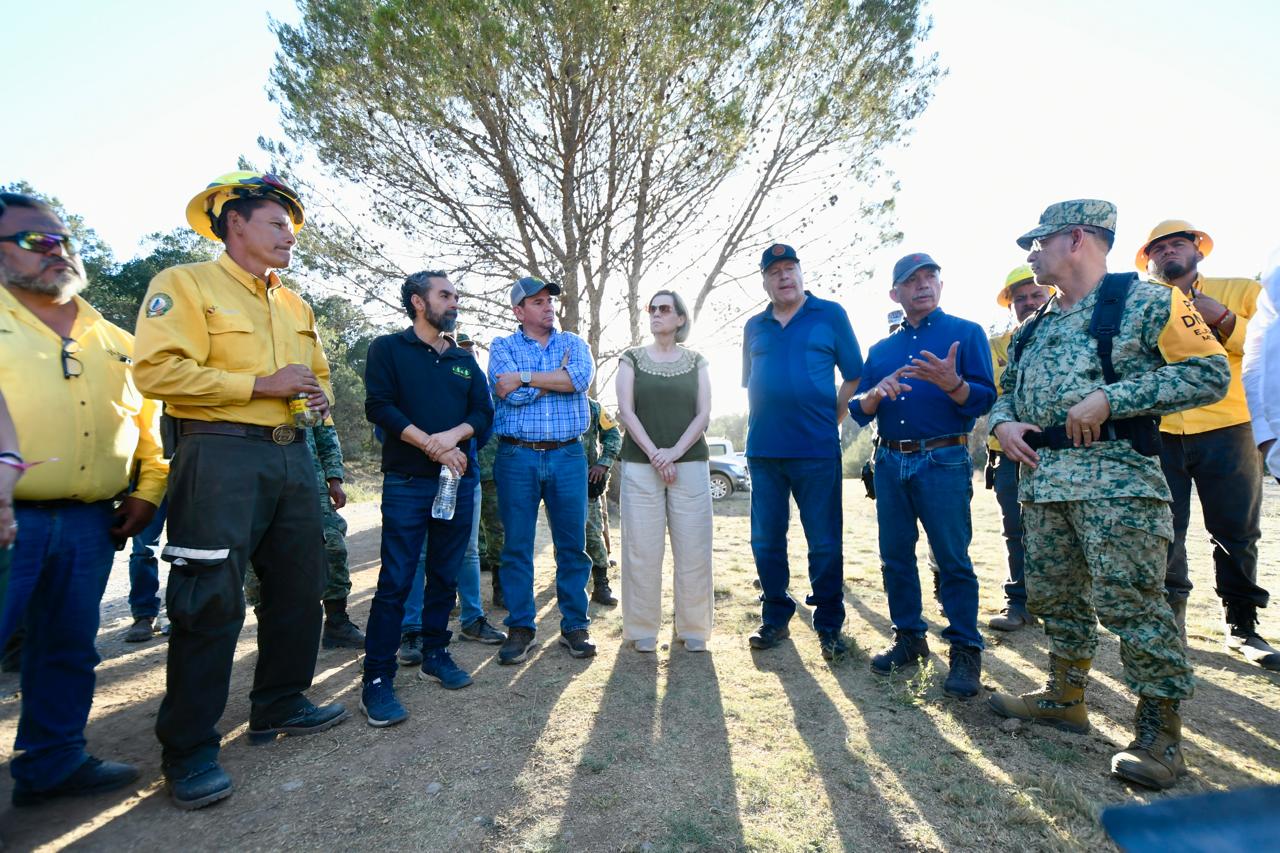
777, 252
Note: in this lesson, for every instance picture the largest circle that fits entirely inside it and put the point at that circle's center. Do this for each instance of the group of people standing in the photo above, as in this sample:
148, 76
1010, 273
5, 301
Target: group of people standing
235, 358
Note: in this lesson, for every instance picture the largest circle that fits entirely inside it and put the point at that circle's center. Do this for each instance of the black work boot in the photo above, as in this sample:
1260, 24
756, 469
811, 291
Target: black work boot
1243, 638
907, 650
601, 594
1178, 604
498, 600
339, 631
964, 679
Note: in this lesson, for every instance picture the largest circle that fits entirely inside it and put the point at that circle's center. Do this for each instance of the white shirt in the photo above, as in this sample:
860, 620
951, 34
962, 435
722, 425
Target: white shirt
1261, 365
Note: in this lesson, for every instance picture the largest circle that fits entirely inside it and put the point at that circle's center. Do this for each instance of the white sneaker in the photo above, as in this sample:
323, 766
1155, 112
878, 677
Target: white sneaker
648, 644
694, 644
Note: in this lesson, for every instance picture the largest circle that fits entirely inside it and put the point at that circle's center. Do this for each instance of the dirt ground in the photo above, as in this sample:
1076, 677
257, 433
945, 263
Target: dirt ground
730, 750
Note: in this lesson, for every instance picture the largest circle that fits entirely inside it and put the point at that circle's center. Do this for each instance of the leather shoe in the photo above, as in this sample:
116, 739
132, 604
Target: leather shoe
308, 721
94, 776
768, 636
201, 787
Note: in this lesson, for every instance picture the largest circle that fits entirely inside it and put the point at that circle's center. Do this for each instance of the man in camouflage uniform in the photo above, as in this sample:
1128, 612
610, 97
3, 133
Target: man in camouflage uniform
326, 453
602, 442
1095, 510
492, 536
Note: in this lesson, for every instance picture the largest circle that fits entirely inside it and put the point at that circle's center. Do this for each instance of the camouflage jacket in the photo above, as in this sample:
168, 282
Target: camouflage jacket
603, 440
326, 453
1166, 360
486, 457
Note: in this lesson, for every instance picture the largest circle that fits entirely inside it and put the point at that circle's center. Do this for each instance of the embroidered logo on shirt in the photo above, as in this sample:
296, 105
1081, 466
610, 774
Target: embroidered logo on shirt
159, 305
464, 372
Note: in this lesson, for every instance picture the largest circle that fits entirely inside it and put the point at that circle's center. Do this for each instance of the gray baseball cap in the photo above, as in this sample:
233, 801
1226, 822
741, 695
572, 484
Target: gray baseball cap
528, 286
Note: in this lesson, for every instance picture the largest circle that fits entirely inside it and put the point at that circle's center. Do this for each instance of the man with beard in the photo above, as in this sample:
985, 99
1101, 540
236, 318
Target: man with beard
236, 357
431, 401
1212, 447
1087, 379
1024, 297
68, 378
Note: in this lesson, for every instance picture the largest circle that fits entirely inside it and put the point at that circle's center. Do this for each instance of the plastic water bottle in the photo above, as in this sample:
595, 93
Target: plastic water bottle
447, 496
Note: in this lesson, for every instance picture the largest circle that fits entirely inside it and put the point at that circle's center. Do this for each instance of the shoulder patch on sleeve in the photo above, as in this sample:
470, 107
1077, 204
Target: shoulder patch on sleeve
159, 305
1186, 334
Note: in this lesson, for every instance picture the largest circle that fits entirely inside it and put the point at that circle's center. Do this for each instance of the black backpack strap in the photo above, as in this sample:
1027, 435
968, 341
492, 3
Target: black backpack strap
1027, 331
1104, 325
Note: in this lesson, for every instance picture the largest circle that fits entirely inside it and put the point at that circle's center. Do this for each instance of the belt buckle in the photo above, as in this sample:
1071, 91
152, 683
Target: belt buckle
283, 434
912, 445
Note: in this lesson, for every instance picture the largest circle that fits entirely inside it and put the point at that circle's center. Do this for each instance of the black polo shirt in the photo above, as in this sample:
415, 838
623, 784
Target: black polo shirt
407, 382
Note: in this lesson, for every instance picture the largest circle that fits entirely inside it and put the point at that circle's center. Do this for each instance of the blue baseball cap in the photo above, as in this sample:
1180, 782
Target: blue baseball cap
903, 269
777, 252
528, 286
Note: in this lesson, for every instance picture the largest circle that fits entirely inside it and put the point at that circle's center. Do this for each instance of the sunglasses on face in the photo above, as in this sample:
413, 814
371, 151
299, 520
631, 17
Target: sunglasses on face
71, 366
43, 242
661, 309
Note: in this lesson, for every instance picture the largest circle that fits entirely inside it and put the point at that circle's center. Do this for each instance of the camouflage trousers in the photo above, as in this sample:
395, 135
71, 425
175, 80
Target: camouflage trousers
596, 548
1103, 560
338, 579
492, 536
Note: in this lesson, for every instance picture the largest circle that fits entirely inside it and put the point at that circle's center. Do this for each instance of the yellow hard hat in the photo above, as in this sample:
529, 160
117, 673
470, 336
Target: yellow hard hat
204, 209
1173, 226
1017, 276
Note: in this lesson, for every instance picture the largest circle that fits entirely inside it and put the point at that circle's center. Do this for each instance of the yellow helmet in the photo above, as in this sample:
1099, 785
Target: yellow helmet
1017, 276
1173, 226
204, 209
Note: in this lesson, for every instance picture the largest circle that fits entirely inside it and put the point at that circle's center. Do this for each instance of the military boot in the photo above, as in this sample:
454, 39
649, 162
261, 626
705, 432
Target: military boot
1243, 637
339, 631
1060, 703
1178, 604
1154, 759
499, 602
601, 594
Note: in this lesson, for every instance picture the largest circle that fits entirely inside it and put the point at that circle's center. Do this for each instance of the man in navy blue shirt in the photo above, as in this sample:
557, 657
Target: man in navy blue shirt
432, 402
789, 354
924, 385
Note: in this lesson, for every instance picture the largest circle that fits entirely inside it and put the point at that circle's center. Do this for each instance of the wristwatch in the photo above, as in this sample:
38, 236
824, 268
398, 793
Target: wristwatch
526, 377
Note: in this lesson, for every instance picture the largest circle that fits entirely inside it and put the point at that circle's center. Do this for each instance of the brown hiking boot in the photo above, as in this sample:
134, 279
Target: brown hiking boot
1244, 639
1154, 759
1060, 703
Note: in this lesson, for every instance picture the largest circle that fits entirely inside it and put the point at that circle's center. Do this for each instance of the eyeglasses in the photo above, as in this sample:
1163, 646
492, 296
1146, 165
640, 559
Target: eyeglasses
43, 242
71, 366
1039, 244
661, 309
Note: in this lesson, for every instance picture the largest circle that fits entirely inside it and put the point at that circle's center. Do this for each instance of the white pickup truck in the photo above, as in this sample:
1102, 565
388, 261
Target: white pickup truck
728, 469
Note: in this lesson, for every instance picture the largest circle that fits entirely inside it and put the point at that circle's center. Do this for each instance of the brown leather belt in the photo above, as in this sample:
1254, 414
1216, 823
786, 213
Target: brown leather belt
537, 445
915, 446
284, 434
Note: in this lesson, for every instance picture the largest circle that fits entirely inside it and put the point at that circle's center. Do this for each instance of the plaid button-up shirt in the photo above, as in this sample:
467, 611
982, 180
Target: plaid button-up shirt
532, 414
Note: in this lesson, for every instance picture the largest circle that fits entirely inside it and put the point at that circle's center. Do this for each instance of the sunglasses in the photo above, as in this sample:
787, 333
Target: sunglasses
661, 309
71, 366
43, 242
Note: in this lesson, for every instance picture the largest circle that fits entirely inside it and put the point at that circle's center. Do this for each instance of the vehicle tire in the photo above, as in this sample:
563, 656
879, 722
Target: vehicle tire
721, 486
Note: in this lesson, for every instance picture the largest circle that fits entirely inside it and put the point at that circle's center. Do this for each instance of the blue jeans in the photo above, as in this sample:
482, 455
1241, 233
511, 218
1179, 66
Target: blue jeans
526, 478
1015, 588
934, 487
144, 569
468, 583
816, 486
406, 525
59, 571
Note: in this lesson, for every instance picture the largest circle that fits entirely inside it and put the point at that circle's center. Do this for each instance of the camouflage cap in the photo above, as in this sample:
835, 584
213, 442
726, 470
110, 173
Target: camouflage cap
1080, 211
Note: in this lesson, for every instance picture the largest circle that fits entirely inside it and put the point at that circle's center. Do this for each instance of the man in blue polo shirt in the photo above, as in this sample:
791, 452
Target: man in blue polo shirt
789, 354
540, 376
924, 385
432, 402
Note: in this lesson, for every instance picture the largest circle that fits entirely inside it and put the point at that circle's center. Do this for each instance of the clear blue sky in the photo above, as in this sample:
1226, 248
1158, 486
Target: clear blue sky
1166, 108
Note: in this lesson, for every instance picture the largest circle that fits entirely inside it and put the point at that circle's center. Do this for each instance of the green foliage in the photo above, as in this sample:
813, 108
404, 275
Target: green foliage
856, 454
118, 290
732, 427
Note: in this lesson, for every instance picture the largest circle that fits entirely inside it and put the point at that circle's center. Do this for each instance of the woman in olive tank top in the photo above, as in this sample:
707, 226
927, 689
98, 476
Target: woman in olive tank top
664, 401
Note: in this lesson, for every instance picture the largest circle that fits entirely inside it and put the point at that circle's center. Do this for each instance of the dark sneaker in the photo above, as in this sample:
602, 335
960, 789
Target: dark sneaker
517, 647
480, 631
438, 665
142, 630
832, 644
578, 643
308, 721
965, 678
907, 650
202, 787
94, 776
768, 636
410, 649
379, 703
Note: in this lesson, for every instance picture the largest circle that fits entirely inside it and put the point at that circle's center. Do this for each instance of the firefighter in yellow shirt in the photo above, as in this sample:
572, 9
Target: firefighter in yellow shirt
1024, 297
1212, 447
235, 356
89, 439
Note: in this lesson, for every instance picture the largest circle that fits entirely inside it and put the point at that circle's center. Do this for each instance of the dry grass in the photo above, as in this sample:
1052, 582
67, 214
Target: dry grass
676, 751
